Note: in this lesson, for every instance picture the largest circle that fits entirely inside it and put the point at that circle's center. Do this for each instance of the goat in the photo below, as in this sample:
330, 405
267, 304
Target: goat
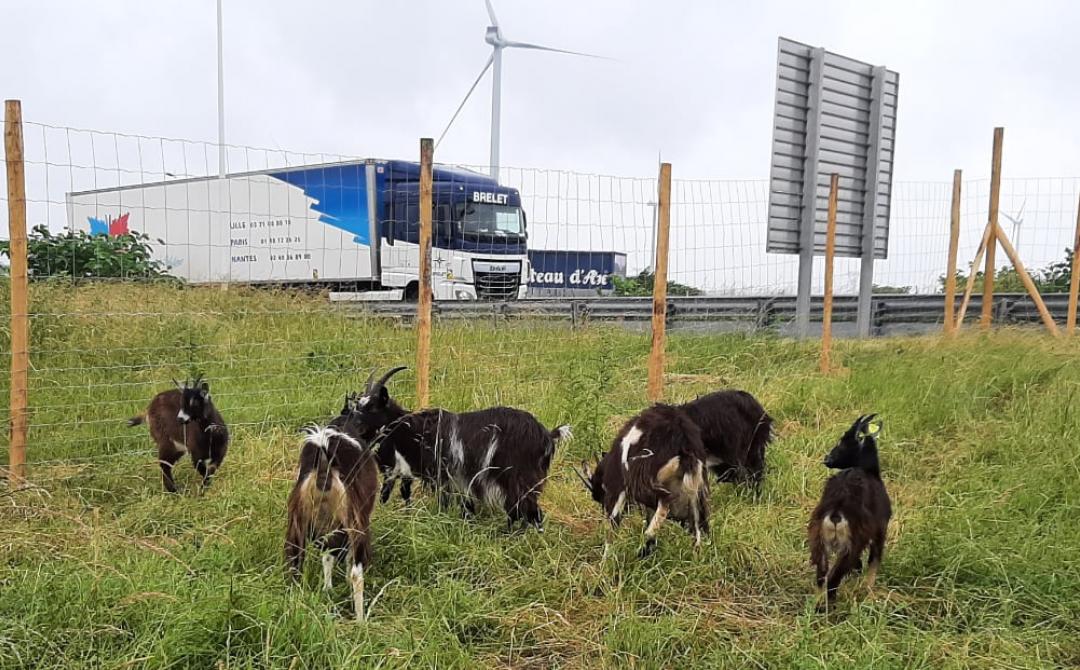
498, 455
184, 420
330, 505
657, 461
735, 429
393, 467
853, 513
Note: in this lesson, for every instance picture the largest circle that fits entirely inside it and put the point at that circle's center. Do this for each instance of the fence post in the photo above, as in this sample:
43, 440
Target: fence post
969, 284
954, 243
659, 305
1026, 280
20, 300
1074, 283
423, 308
830, 253
991, 243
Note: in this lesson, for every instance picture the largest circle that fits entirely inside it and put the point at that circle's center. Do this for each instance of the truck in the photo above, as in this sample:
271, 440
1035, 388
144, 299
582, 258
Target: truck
566, 273
349, 224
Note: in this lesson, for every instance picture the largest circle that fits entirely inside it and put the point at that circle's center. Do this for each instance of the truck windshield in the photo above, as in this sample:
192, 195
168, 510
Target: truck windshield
480, 219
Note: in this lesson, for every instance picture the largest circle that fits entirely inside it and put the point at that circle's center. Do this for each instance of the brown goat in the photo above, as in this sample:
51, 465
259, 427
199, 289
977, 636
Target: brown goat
331, 504
853, 513
184, 421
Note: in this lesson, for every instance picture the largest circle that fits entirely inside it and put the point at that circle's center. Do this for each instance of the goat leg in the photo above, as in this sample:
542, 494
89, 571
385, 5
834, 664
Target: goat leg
206, 469
295, 546
877, 549
468, 507
406, 489
387, 489
844, 563
332, 546
167, 461
654, 526
360, 556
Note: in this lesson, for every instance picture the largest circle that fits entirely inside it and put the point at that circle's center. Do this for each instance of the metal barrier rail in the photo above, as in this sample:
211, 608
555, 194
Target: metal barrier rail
750, 313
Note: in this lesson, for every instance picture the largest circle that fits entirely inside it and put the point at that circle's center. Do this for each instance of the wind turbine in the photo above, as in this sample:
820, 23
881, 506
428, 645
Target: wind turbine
1016, 221
494, 36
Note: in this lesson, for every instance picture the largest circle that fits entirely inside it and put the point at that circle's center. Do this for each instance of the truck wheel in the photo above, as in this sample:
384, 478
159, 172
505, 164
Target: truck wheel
412, 293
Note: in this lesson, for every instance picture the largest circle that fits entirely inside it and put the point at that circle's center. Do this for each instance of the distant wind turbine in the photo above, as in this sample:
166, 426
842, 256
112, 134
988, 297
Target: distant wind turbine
498, 42
1016, 221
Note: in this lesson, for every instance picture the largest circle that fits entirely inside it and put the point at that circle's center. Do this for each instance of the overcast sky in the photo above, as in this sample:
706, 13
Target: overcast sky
693, 80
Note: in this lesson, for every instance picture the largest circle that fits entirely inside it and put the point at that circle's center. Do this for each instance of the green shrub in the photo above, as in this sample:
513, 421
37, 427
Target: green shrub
77, 254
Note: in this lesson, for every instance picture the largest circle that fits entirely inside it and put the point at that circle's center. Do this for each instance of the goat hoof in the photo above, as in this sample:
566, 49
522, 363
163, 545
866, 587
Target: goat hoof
647, 550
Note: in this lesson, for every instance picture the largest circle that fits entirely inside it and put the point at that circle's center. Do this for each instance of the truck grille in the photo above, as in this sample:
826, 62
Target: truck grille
497, 285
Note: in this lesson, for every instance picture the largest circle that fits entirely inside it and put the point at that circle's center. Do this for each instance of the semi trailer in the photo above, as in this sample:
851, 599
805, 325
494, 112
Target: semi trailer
350, 224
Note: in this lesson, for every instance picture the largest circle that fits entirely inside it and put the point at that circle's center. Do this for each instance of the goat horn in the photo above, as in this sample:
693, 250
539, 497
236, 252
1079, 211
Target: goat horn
382, 381
370, 378
178, 384
866, 425
583, 474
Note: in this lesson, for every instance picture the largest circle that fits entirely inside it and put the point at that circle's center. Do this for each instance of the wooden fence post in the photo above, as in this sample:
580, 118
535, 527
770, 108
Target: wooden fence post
1074, 283
954, 243
20, 300
991, 244
830, 254
423, 309
969, 285
659, 308
1026, 280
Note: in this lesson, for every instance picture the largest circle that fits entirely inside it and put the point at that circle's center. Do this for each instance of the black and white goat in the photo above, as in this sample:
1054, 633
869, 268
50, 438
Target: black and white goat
735, 429
499, 455
184, 420
657, 461
853, 513
330, 505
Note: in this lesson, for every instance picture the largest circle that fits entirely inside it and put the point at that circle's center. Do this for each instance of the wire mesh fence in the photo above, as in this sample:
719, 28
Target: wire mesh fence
116, 218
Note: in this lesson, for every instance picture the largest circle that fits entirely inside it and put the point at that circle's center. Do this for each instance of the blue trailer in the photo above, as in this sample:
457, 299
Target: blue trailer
557, 272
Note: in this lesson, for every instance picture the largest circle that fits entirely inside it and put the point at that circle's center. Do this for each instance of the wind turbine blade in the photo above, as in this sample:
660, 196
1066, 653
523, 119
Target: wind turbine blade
538, 47
1015, 222
491, 13
472, 88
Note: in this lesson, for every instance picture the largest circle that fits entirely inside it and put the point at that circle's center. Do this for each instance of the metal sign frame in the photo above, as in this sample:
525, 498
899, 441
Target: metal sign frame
833, 114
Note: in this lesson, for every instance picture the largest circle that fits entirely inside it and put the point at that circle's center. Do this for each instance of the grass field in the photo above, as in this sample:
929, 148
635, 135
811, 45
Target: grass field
99, 569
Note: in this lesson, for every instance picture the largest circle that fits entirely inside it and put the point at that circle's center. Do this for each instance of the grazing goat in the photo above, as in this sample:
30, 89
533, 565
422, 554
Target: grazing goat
499, 455
184, 420
657, 461
330, 505
735, 429
854, 510
391, 464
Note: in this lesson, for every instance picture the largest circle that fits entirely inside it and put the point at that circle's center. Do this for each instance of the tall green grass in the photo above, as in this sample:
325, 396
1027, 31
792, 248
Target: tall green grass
99, 569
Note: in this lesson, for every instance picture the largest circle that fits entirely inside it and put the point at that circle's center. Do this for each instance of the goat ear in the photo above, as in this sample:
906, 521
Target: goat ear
205, 388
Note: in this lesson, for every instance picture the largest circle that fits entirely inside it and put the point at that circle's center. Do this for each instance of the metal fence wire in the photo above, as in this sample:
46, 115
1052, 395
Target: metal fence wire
107, 332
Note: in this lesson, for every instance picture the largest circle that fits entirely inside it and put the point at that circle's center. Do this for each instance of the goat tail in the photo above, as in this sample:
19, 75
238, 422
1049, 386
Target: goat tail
322, 471
136, 420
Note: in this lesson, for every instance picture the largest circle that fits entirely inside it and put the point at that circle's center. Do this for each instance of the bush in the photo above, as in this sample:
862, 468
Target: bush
1054, 278
642, 285
80, 255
